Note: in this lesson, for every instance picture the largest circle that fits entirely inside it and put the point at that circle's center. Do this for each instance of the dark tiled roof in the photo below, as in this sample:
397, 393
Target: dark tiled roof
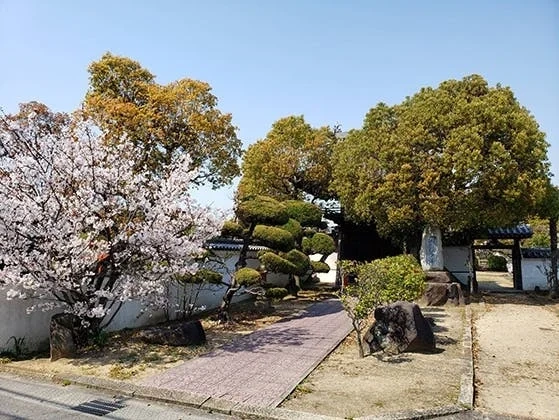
221, 244
516, 232
536, 253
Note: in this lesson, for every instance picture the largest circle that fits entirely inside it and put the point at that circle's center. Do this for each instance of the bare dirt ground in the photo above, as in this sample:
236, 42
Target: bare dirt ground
516, 349
347, 386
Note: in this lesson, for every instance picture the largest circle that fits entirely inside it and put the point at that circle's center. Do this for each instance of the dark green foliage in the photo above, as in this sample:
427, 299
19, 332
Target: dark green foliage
294, 227
304, 212
203, 275
247, 276
300, 260
320, 267
277, 264
231, 229
496, 263
322, 243
276, 293
274, 237
262, 210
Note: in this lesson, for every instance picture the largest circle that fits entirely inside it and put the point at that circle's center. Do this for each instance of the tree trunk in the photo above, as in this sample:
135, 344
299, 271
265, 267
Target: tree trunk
223, 314
554, 287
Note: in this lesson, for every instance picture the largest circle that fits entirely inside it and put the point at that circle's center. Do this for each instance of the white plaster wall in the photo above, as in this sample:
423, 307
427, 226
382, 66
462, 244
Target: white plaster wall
15, 321
533, 273
332, 261
457, 259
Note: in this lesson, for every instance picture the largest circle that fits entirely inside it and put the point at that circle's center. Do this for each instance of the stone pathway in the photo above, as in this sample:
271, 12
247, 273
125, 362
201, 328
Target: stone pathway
262, 368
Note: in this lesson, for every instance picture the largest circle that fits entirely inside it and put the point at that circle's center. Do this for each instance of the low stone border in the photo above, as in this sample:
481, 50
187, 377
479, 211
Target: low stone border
465, 399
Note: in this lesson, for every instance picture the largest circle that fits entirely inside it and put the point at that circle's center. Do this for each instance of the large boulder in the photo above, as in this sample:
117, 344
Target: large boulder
64, 340
400, 327
189, 333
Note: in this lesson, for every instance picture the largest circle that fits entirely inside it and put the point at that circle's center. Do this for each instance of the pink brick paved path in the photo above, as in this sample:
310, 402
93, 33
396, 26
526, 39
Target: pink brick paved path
262, 368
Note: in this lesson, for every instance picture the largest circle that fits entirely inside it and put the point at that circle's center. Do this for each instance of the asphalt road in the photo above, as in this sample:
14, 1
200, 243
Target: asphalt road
22, 398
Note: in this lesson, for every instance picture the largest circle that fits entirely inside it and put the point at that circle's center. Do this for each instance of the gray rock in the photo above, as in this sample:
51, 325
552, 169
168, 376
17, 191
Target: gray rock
63, 336
400, 327
189, 333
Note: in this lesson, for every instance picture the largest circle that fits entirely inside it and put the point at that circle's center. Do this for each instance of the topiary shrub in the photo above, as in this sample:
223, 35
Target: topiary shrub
231, 229
277, 264
320, 267
247, 276
322, 243
293, 227
300, 260
276, 293
274, 237
304, 212
263, 210
496, 263
203, 275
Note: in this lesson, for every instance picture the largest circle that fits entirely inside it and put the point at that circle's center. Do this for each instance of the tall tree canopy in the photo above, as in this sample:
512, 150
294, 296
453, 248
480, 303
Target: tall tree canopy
293, 160
182, 116
462, 156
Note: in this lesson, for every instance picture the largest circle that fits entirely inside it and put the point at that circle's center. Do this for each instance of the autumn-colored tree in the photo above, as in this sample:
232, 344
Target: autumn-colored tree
182, 116
461, 156
293, 161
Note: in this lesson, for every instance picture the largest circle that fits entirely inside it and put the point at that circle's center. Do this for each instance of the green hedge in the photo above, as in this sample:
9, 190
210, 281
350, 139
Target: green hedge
293, 227
274, 237
320, 267
304, 212
300, 260
394, 278
231, 228
277, 264
264, 210
247, 276
203, 275
276, 293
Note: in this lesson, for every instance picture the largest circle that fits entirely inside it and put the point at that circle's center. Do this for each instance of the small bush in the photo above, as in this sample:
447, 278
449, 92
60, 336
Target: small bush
496, 263
274, 237
300, 260
320, 267
247, 276
323, 244
293, 227
304, 212
263, 210
277, 264
232, 229
203, 275
276, 293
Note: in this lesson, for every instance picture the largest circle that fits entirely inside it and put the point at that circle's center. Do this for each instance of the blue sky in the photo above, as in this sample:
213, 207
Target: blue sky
329, 60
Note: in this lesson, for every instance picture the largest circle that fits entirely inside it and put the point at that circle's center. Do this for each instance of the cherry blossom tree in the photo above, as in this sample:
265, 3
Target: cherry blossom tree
82, 227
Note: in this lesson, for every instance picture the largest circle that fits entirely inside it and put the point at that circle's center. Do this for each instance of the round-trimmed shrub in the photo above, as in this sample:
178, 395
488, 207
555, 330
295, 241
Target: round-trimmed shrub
304, 212
203, 275
323, 244
231, 228
261, 209
276, 293
247, 276
293, 227
277, 264
320, 267
274, 237
496, 263
306, 245
300, 260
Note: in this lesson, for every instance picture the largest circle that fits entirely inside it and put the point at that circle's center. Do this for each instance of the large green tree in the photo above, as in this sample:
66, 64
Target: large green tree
181, 116
462, 156
293, 161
